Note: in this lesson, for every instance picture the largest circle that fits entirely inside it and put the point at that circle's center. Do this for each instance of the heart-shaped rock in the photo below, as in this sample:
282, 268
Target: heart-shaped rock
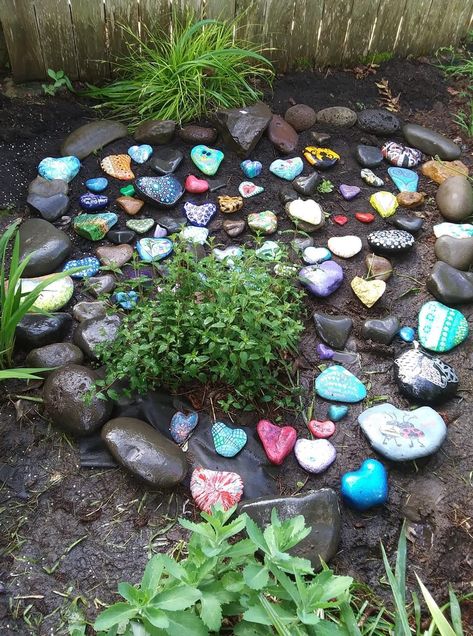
278, 441
140, 154
367, 486
390, 241
116, 255
287, 169
371, 178
269, 251
166, 160
321, 158
128, 190
405, 180
194, 185
384, 203
400, 155
96, 184
153, 249
194, 234
140, 226
345, 246
424, 378
207, 159
248, 189
364, 217
199, 215
215, 488
314, 455
64, 168
308, 215
321, 429
228, 441
94, 226
338, 384
229, 205
349, 192
182, 426
340, 219
251, 169
118, 166
130, 205
323, 279
93, 202
368, 291
403, 435
162, 191
313, 255
265, 222
336, 412
441, 328
126, 299
90, 264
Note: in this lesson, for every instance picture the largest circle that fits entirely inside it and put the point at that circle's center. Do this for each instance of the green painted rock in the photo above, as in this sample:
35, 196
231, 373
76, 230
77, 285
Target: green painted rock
53, 297
430, 142
46, 246
441, 328
265, 222
140, 226
91, 137
455, 198
94, 226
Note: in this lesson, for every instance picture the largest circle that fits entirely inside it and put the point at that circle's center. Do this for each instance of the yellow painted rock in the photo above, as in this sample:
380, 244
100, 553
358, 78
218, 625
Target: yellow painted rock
321, 158
53, 296
438, 171
368, 291
118, 166
384, 203
228, 205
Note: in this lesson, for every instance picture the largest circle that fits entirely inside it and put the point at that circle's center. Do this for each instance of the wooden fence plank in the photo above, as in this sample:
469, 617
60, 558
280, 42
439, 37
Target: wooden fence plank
154, 15
389, 15
197, 6
277, 30
221, 9
413, 22
57, 36
88, 19
22, 39
302, 47
252, 24
120, 12
335, 23
362, 22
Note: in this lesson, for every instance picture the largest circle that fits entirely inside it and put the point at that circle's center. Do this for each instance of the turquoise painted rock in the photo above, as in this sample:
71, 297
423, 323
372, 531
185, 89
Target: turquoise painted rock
366, 487
207, 159
265, 222
161, 191
313, 255
287, 169
94, 226
455, 230
140, 154
126, 299
338, 384
97, 184
53, 297
269, 251
154, 249
182, 426
90, 265
404, 179
336, 412
403, 435
251, 169
228, 255
441, 328
228, 441
140, 226
64, 168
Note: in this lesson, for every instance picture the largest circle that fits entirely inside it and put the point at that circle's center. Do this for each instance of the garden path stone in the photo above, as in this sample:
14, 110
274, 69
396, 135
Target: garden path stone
455, 198
38, 330
155, 131
368, 156
301, 117
166, 160
91, 137
410, 224
47, 247
93, 332
381, 330
430, 142
98, 285
242, 128
86, 310
282, 135
455, 251
59, 354
50, 208
378, 121
449, 285
339, 116
195, 135
333, 330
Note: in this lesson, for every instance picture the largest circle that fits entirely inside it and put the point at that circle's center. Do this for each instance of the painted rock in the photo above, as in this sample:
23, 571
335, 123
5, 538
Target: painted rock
126, 299
401, 156
215, 487
301, 117
424, 378
307, 184
337, 384
166, 160
248, 189
371, 178
364, 217
140, 226
91, 137
64, 168
199, 215
407, 334
93, 202
207, 159
324, 352
378, 267
307, 215
349, 192
368, 291
161, 191
53, 297
229, 205
366, 487
194, 185
411, 199
403, 435
299, 243
120, 236
97, 184
322, 280
382, 330
182, 426
339, 116
287, 169
320, 158
455, 230
228, 254
450, 285
404, 179
153, 249
314, 455
321, 429
390, 241
438, 171
278, 441
115, 255
456, 252
333, 330
368, 156
269, 251
378, 121
282, 135
234, 227
140, 154
455, 199
251, 169
384, 203
313, 255
194, 234
228, 441
94, 226
430, 142
337, 412
265, 222
128, 190
441, 328
345, 246
340, 219
90, 264
118, 166
130, 205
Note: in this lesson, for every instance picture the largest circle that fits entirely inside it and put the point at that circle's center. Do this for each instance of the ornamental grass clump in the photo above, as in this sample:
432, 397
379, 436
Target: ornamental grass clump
184, 73
235, 328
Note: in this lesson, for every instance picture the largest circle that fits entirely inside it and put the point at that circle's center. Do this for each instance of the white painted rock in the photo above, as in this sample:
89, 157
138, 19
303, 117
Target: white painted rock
313, 255
345, 246
307, 214
314, 455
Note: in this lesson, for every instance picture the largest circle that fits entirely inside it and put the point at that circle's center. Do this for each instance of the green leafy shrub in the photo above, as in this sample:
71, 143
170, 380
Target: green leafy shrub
185, 73
209, 323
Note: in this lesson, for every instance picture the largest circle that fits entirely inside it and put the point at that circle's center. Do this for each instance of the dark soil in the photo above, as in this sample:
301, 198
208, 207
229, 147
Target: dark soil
49, 504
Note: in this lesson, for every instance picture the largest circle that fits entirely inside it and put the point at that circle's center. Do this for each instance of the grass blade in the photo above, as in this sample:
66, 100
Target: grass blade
455, 612
401, 614
437, 616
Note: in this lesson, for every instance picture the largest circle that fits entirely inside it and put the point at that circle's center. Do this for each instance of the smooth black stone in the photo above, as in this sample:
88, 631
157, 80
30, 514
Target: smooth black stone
50, 208
38, 330
170, 224
424, 378
307, 185
368, 156
381, 330
47, 187
120, 236
333, 330
430, 142
287, 194
166, 160
409, 224
47, 247
378, 121
390, 241
449, 285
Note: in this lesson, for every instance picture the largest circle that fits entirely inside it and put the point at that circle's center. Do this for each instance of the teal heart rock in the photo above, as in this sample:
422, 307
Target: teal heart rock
404, 179
287, 169
228, 441
140, 154
365, 487
441, 328
207, 159
338, 384
154, 249
64, 168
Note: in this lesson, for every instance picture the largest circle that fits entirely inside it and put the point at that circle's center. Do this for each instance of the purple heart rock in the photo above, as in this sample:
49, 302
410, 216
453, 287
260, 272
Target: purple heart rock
349, 192
199, 215
324, 352
323, 279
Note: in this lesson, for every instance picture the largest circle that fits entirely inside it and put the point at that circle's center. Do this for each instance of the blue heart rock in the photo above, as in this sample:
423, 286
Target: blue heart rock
64, 168
97, 184
338, 384
287, 169
405, 180
403, 435
228, 441
161, 191
93, 202
126, 299
441, 328
182, 426
207, 159
199, 215
322, 279
90, 264
336, 412
366, 487
153, 249
140, 154
251, 169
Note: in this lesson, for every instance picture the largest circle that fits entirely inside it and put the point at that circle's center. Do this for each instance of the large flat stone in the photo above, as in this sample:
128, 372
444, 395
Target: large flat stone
91, 137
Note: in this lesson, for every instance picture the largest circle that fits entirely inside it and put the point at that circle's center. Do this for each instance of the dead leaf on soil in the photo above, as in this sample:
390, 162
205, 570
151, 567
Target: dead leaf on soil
388, 101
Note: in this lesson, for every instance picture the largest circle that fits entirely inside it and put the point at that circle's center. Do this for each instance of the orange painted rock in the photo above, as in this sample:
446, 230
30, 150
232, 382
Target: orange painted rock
411, 199
118, 166
130, 205
438, 171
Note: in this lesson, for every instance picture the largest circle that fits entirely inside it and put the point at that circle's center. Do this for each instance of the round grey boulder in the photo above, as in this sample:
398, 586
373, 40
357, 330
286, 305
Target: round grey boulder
46, 246
455, 198
457, 252
92, 333
59, 354
301, 117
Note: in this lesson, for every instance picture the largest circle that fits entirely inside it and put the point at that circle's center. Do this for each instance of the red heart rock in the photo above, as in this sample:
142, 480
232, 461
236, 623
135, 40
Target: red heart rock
277, 441
194, 185
364, 217
320, 429
340, 219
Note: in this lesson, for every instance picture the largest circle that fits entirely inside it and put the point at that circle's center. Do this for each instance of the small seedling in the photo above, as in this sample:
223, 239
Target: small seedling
58, 80
325, 186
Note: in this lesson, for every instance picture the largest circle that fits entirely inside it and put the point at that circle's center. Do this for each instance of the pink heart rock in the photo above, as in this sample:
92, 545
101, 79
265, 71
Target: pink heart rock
277, 441
195, 185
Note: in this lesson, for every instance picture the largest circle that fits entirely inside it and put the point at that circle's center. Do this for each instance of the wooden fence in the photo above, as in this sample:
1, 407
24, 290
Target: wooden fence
82, 37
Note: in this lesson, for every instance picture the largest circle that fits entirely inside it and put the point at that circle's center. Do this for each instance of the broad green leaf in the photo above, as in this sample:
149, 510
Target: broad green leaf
350, 620
256, 614
186, 624
335, 587
256, 535
455, 612
308, 618
117, 613
174, 568
130, 594
256, 576
211, 612
245, 629
437, 615
156, 617
177, 598
401, 613
327, 628
152, 574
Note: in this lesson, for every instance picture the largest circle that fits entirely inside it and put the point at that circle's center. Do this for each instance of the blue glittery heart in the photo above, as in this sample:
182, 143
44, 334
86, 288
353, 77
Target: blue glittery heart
207, 159
90, 263
338, 384
64, 168
199, 215
97, 184
182, 426
140, 154
251, 169
367, 486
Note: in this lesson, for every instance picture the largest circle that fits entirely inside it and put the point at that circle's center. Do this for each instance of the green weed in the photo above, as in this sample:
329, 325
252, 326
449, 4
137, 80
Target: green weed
58, 80
325, 186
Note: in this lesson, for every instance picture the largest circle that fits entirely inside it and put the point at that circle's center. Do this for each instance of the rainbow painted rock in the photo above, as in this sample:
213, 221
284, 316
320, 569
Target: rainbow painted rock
441, 328
287, 169
322, 279
154, 249
404, 179
140, 154
338, 384
64, 168
215, 488
161, 191
96, 184
251, 169
199, 215
278, 441
207, 159
182, 426
90, 264
321, 158
314, 455
384, 203
53, 297
228, 441
366, 487
265, 222
118, 166
400, 155
94, 226
92, 202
